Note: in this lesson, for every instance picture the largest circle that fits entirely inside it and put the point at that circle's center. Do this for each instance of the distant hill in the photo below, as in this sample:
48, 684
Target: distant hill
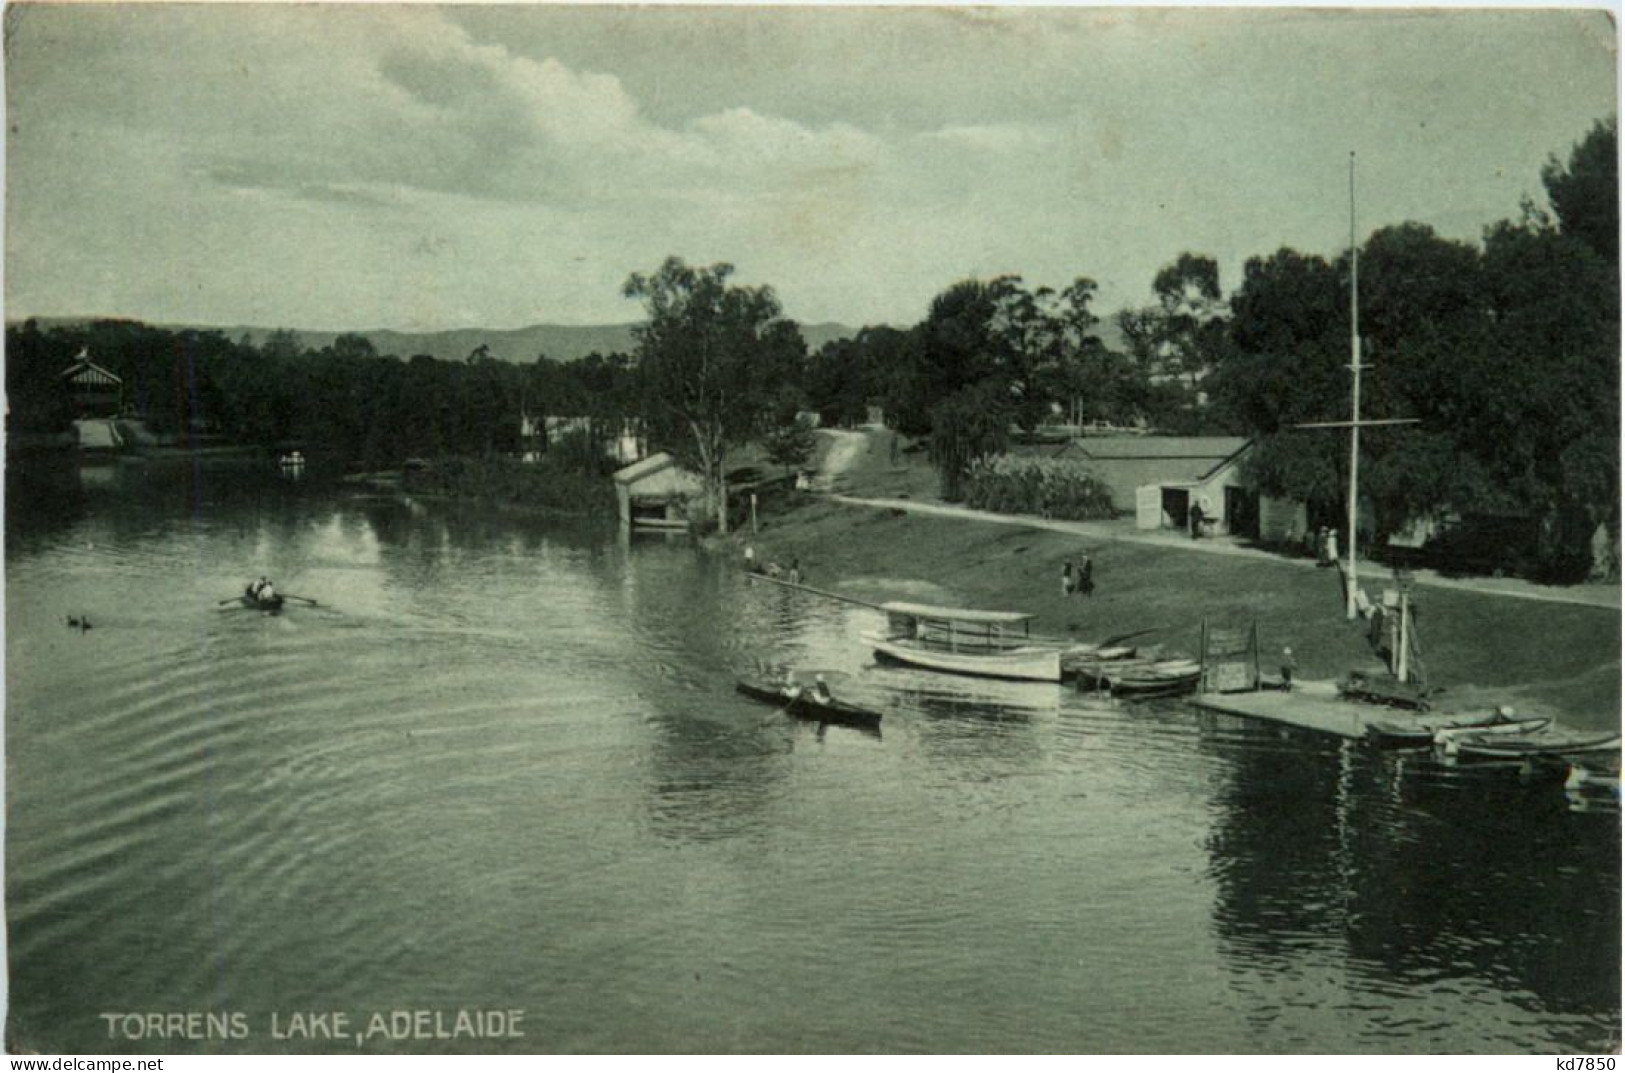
561, 342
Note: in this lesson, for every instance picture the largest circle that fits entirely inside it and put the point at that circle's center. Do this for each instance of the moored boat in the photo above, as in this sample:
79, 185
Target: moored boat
1491, 747
1161, 679
1104, 674
989, 644
1501, 726
805, 706
1421, 733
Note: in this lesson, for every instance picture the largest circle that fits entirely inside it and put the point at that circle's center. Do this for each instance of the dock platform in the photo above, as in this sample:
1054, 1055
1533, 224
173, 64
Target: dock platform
1312, 705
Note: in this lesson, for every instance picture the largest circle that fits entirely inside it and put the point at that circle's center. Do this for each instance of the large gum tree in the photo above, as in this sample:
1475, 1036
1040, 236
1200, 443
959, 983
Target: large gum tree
712, 358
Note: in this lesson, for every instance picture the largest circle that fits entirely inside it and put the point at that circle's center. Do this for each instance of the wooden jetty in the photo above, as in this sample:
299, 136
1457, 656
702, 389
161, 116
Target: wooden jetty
1311, 705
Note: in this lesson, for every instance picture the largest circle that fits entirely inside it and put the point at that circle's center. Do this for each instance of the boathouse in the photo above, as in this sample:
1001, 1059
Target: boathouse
93, 390
655, 493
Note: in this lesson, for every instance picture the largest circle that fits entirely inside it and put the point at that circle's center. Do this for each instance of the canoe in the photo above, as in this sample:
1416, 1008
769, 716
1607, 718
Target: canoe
1490, 747
805, 707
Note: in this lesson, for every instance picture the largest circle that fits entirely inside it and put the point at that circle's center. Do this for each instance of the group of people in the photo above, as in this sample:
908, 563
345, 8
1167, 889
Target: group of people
262, 590
1079, 580
1326, 547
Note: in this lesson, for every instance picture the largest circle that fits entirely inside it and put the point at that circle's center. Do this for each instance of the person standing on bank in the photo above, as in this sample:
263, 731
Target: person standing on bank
1086, 575
1066, 579
1196, 521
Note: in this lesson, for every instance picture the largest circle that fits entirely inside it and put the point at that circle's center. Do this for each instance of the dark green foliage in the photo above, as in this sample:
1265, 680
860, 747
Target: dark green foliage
1585, 193
790, 444
971, 425
553, 484
1508, 357
712, 360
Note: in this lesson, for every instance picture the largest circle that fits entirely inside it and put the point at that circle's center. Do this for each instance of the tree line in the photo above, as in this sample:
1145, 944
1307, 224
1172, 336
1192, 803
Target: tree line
1506, 352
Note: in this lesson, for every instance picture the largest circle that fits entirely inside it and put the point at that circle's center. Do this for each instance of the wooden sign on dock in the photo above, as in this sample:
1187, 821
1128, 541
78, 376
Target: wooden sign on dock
1229, 659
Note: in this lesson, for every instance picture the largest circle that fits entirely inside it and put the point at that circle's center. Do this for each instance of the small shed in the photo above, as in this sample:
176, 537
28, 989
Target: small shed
94, 391
1227, 505
655, 493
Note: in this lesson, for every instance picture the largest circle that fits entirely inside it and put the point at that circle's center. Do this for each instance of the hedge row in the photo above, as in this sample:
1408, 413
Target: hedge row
1051, 487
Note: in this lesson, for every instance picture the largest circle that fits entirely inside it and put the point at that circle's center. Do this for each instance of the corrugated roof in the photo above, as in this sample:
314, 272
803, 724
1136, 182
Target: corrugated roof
1216, 448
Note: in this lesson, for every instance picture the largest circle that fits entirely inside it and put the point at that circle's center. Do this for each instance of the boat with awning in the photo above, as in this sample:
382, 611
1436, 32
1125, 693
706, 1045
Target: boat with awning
989, 644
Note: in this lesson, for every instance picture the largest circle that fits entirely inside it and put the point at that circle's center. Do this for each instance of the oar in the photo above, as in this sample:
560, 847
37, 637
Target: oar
308, 600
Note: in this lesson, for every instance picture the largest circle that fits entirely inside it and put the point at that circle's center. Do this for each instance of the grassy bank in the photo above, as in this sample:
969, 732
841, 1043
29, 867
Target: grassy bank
1483, 649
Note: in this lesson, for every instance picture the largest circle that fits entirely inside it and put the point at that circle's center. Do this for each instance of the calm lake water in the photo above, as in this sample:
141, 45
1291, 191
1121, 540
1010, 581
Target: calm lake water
503, 767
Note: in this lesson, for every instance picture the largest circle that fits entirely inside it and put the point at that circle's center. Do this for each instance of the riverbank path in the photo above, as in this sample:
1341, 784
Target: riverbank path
1588, 595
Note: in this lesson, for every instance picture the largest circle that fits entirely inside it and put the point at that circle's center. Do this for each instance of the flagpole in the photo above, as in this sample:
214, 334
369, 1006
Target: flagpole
1353, 573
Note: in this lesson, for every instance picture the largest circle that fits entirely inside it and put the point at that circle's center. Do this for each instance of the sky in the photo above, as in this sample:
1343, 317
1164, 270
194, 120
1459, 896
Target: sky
423, 168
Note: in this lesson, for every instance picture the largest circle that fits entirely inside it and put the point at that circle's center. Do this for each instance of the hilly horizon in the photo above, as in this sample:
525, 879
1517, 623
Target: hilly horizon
560, 342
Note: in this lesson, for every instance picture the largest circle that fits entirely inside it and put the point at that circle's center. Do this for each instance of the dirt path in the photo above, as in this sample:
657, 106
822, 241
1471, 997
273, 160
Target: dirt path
1582, 595
845, 448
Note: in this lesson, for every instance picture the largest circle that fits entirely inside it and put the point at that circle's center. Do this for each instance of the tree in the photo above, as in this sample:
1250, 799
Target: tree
710, 356
971, 424
790, 444
1585, 193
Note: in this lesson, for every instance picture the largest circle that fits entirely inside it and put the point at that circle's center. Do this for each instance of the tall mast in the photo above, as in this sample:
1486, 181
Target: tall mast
1353, 572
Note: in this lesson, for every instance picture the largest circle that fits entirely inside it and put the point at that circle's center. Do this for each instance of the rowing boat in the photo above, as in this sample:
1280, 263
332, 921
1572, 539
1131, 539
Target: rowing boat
1488, 747
1103, 674
1161, 679
988, 644
1390, 734
1495, 728
273, 605
805, 706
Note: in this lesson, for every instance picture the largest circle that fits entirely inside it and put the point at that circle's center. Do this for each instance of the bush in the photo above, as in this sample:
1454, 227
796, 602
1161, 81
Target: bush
1008, 484
552, 484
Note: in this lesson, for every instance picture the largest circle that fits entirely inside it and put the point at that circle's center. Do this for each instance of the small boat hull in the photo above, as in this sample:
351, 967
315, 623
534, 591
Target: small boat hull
273, 605
1490, 747
1026, 663
1495, 728
805, 707
1154, 683
1139, 675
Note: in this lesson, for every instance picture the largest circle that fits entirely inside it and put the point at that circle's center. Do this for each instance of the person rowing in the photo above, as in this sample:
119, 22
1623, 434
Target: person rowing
790, 687
820, 690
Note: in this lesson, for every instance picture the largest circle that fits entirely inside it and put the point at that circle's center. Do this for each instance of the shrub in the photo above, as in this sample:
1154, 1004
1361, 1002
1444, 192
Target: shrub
1054, 488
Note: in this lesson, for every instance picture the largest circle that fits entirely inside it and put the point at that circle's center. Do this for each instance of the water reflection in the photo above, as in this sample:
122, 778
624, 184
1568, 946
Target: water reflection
1411, 874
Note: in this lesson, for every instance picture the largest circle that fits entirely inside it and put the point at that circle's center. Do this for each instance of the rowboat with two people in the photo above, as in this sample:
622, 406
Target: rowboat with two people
814, 702
261, 595
987, 644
